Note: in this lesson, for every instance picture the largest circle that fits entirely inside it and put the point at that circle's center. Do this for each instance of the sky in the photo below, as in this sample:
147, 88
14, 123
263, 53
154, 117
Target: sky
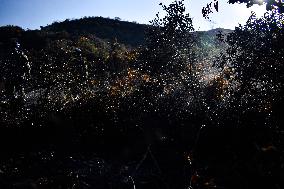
31, 14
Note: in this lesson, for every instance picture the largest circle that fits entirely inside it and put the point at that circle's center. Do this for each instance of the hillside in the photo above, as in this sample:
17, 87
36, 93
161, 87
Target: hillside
105, 28
95, 51
128, 33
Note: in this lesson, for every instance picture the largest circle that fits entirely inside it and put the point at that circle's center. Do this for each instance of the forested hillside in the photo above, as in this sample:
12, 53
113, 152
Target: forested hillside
128, 33
53, 61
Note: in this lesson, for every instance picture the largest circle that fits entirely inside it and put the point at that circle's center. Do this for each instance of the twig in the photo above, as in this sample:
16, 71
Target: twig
142, 160
154, 159
132, 180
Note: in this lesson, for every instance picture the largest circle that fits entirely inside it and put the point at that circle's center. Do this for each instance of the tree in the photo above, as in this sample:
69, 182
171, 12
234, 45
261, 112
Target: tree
169, 59
168, 53
15, 74
255, 54
270, 5
169, 39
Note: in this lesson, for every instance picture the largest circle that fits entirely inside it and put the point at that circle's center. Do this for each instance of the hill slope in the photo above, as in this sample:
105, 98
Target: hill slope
128, 33
105, 28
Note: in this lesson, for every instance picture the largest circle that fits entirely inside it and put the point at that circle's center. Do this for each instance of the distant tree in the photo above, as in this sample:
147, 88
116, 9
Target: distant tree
117, 60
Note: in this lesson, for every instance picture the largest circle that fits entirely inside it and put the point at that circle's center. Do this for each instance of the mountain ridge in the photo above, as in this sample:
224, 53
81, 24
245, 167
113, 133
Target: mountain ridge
125, 32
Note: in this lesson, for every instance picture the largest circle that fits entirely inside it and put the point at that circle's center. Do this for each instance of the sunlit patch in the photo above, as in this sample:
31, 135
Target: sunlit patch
260, 1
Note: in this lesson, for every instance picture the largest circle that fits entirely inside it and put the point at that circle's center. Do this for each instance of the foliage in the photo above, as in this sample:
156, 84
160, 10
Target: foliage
56, 71
61, 70
182, 96
169, 59
270, 5
169, 39
252, 67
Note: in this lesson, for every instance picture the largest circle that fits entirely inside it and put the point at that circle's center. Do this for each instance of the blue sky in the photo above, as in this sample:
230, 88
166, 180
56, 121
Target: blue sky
35, 13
